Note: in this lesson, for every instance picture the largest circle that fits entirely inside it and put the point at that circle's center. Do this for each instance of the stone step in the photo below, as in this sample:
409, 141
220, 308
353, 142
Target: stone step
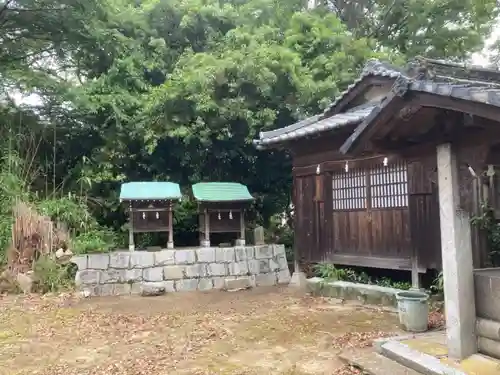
373, 363
416, 360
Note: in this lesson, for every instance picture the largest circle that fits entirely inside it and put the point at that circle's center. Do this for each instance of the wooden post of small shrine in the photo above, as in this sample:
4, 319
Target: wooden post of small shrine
206, 233
131, 245
241, 240
170, 243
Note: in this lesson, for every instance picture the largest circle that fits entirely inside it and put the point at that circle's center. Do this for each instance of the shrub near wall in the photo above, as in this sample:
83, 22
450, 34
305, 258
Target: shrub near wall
124, 272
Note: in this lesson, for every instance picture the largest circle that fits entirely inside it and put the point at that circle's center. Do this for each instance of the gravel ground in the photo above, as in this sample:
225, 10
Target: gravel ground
261, 331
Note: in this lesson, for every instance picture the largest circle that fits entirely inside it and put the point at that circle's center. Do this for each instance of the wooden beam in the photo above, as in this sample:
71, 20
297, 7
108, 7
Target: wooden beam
461, 105
377, 121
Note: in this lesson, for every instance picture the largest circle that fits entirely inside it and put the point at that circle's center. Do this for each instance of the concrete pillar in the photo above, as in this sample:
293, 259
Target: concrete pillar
456, 251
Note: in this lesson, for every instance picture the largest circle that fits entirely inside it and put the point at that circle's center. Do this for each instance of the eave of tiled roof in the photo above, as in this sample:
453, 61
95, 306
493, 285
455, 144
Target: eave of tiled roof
473, 93
319, 123
314, 125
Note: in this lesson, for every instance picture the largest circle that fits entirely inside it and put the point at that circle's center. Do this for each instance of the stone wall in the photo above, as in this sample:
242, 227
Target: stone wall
187, 269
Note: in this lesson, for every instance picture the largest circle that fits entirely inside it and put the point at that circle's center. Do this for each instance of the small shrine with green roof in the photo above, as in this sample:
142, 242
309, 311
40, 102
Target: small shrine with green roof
221, 207
150, 207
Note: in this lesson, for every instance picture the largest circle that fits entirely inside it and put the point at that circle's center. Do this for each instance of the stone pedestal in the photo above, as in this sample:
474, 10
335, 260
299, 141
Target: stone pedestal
298, 280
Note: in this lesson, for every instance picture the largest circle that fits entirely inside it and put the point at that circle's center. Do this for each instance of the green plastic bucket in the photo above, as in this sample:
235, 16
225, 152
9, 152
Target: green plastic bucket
413, 310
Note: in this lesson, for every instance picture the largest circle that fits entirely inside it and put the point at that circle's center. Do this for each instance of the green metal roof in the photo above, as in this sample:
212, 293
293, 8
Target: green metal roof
150, 190
221, 192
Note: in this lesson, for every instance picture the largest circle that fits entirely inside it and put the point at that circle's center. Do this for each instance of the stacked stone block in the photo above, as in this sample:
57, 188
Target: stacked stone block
191, 269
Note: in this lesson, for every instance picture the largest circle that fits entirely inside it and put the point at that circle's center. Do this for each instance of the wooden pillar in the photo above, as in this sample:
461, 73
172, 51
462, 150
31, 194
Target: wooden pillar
456, 251
170, 243
241, 240
131, 245
206, 241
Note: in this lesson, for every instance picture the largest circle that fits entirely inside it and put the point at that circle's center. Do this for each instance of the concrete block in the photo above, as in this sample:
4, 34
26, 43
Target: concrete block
121, 289
98, 261
196, 270
87, 277
224, 255
238, 268
113, 275
140, 288
133, 275
241, 254
174, 272
206, 255
237, 284
217, 269
265, 279
102, 290
164, 257
185, 257
142, 259
250, 250
273, 265
205, 284
263, 252
219, 282
253, 266
119, 259
283, 276
282, 262
80, 261
186, 285
152, 274
278, 250
264, 266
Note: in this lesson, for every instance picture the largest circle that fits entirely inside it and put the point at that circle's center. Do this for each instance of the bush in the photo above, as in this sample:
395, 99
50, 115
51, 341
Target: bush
51, 276
94, 241
329, 272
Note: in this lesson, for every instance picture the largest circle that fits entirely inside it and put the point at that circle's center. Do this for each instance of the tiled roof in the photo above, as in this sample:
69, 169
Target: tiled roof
221, 192
150, 190
372, 68
423, 74
319, 123
473, 92
314, 125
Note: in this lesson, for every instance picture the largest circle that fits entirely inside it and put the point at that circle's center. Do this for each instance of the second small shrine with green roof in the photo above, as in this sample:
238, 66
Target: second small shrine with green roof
221, 207
150, 208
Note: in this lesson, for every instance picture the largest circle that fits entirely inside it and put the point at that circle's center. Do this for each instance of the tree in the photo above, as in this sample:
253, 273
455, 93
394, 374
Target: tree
452, 29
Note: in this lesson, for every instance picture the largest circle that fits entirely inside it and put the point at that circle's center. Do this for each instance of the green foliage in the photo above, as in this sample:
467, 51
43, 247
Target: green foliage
437, 286
279, 232
176, 90
94, 241
486, 222
329, 272
70, 210
50, 276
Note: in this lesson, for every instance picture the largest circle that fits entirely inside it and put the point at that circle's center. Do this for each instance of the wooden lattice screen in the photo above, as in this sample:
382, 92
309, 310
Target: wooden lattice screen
377, 187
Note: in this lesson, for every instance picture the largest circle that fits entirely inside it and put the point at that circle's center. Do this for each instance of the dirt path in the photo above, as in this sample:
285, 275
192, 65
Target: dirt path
263, 331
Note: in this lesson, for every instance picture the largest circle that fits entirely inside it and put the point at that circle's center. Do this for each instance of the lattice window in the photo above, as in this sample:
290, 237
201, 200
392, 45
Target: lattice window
389, 186
349, 190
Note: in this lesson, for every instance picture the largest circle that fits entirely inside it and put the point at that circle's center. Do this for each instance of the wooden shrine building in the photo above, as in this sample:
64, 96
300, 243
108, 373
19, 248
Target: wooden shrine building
375, 207
221, 207
150, 207
452, 113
